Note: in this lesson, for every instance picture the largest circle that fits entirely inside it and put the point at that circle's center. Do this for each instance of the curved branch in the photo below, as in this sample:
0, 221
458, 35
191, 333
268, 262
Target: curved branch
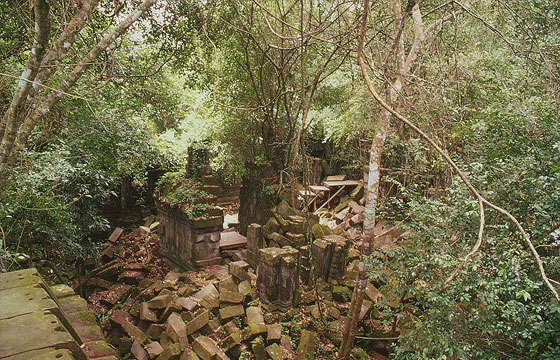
475, 247
458, 172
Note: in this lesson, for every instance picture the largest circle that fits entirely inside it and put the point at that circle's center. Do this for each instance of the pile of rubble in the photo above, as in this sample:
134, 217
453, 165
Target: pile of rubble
289, 226
220, 321
222, 311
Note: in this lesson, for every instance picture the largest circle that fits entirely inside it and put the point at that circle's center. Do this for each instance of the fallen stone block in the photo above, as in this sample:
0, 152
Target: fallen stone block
210, 302
116, 234
138, 351
132, 277
227, 284
280, 239
276, 352
355, 208
233, 339
341, 293
120, 317
205, 291
153, 349
366, 305
170, 351
373, 293
259, 350
285, 210
155, 330
296, 240
187, 304
253, 330
146, 313
189, 355
160, 301
109, 270
246, 290
98, 283
207, 349
115, 293
356, 220
177, 329
231, 297
231, 311
173, 307
274, 333
255, 315
198, 322
134, 332
238, 269
306, 348
320, 230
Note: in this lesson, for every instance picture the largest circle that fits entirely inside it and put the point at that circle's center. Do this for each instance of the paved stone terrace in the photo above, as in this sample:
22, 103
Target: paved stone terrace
38, 322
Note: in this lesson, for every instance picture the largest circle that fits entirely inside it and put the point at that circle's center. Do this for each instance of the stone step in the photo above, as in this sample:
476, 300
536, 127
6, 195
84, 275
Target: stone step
209, 180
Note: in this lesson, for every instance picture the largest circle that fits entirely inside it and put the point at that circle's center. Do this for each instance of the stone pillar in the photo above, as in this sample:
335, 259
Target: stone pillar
329, 257
278, 277
254, 243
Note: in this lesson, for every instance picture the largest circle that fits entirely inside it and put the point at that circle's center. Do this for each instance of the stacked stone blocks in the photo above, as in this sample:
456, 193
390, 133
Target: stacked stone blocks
278, 277
190, 243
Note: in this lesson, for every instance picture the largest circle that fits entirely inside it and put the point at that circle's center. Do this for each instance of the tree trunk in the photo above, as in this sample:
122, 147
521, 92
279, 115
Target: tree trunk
254, 204
15, 129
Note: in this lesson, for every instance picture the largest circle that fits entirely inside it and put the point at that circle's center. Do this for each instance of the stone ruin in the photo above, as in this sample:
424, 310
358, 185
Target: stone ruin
329, 257
254, 243
278, 277
190, 243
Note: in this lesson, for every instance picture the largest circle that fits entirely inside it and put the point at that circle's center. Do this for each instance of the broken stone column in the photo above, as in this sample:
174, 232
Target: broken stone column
329, 257
190, 243
278, 277
254, 243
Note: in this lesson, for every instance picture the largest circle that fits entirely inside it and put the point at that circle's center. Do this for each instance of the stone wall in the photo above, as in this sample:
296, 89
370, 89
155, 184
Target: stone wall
190, 243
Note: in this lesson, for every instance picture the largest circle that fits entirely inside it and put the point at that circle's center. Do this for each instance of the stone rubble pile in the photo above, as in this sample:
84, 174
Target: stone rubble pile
172, 320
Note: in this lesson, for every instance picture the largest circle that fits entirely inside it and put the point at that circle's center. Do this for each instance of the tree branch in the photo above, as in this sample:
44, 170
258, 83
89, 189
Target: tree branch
459, 173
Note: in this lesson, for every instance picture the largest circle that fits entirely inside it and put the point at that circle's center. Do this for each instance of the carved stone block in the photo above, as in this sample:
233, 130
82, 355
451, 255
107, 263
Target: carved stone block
329, 257
278, 277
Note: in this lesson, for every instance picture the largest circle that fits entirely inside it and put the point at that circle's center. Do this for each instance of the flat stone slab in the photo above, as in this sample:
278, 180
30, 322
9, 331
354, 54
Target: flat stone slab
73, 304
24, 300
43, 354
33, 331
19, 278
232, 240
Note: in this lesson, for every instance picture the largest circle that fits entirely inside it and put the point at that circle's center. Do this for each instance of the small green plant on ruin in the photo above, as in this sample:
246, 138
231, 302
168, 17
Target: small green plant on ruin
178, 191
